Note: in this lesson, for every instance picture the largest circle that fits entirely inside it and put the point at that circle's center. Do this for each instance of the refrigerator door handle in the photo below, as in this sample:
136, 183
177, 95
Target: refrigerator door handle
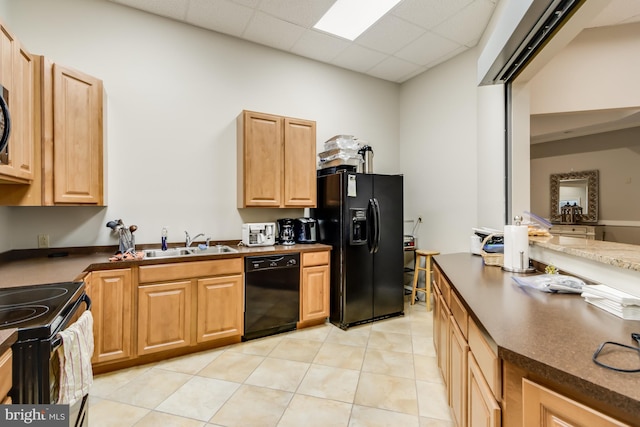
376, 209
371, 226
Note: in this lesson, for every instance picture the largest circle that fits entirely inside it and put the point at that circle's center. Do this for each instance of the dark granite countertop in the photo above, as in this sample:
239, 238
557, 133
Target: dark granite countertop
37, 268
551, 335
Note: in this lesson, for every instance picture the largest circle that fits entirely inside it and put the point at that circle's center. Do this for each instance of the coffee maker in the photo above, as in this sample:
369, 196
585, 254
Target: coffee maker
286, 236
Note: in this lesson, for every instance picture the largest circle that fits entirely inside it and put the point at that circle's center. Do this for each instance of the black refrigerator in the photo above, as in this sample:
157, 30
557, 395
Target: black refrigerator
361, 217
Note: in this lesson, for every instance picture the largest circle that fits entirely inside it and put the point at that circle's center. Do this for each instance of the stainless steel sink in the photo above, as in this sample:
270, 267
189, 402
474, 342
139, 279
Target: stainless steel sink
179, 252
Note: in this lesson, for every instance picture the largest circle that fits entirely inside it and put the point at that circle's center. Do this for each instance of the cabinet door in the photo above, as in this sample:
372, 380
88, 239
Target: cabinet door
111, 293
164, 316
542, 407
299, 163
220, 307
314, 293
260, 160
17, 76
458, 352
78, 138
482, 408
443, 343
437, 298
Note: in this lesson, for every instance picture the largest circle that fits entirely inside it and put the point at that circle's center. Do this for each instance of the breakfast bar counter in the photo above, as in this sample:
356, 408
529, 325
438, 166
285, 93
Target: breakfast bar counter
551, 336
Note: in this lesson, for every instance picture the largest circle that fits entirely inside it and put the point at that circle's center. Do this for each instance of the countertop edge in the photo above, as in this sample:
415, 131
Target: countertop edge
553, 349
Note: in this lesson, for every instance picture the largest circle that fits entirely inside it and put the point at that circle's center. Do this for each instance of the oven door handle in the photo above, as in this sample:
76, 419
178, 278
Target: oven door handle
57, 340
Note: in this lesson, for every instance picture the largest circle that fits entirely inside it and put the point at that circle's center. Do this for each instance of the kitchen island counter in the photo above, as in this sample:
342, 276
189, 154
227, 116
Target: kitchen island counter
552, 336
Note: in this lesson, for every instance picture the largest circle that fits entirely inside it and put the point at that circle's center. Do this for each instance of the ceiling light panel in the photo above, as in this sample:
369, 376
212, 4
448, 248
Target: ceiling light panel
350, 18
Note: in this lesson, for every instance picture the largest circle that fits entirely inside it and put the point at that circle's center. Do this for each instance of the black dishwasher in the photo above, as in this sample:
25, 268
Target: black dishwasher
272, 294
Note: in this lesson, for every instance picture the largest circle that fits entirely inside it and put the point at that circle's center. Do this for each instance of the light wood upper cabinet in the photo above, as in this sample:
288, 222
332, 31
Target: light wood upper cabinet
17, 75
276, 161
77, 169
111, 293
67, 130
299, 163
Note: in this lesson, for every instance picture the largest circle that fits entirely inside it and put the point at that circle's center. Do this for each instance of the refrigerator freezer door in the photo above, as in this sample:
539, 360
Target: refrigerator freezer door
388, 261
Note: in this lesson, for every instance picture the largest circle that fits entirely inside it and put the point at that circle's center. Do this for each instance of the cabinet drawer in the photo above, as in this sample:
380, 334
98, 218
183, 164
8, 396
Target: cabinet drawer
445, 289
459, 313
310, 259
485, 352
188, 270
582, 230
5, 373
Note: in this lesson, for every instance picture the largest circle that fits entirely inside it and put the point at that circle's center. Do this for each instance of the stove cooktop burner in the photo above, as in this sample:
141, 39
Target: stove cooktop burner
13, 316
30, 296
37, 311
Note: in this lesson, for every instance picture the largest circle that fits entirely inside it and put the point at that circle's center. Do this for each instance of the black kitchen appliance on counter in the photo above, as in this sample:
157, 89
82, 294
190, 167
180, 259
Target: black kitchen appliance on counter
361, 217
305, 230
39, 313
286, 235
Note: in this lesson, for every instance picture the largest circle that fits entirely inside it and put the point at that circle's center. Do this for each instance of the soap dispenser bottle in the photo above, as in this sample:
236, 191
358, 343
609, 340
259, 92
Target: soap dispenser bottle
164, 238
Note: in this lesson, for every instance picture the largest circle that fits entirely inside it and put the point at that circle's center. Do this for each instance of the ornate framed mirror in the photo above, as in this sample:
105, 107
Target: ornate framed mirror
579, 189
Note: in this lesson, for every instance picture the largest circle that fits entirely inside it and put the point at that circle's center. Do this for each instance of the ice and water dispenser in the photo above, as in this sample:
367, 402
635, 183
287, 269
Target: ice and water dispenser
358, 232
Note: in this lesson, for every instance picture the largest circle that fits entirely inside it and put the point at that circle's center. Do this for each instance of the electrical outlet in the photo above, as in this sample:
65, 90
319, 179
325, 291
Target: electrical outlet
43, 240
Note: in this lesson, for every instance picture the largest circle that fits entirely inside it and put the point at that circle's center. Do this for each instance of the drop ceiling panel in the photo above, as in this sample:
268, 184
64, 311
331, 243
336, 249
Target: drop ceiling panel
220, 15
389, 35
406, 35
320, 46
175, 9
300, 12
393, 69
270, 31
358, 58
467, 26
428, 49
429, 13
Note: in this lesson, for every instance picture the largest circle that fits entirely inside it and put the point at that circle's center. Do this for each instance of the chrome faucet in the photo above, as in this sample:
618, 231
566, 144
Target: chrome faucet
189, 240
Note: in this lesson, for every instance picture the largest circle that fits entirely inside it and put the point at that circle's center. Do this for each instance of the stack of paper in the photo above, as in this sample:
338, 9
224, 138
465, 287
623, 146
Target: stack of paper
616, 302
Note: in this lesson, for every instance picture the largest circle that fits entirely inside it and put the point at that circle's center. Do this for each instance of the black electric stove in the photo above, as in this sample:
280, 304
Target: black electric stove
40, 312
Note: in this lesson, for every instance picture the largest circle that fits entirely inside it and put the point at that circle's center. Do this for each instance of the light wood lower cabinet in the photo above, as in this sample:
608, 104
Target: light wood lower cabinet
188, 303
111, 293
220, 303
456, 337
482, 408
314, 287
543, 407
458, 351
164, 316
6, 363
442, 323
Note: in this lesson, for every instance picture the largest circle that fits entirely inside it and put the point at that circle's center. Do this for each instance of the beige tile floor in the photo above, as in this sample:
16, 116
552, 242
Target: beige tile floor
379, 374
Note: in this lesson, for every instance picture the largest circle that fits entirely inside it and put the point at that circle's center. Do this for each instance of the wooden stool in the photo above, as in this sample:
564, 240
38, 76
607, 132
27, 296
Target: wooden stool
427, 270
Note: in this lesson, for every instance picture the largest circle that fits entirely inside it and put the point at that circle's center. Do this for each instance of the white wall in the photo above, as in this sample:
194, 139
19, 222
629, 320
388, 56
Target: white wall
438, 123
598, 70
173, 94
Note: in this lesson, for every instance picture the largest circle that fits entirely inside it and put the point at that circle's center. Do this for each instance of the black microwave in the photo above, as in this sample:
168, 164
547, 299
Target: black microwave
5, 125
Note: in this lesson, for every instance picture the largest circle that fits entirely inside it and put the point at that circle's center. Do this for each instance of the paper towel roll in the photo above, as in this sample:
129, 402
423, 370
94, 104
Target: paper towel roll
516, 247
